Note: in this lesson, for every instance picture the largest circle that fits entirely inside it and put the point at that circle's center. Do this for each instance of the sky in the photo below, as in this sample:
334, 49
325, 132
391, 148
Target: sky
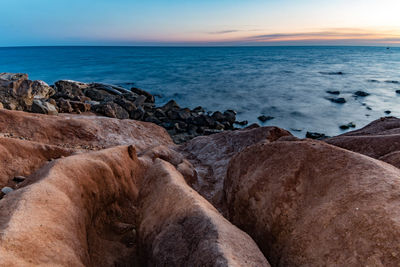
205, 22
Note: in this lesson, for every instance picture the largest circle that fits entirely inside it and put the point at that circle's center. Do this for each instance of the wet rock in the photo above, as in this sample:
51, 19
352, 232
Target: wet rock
333, 92
264, 118
387, 112
331, 73
339, 100
373, 81
361, 93
242, 123
397, 91
43, 107
347, 126
317, 136
230, 116
198, 110
395, 82
170, 105
218, 116
184, 114
149, 97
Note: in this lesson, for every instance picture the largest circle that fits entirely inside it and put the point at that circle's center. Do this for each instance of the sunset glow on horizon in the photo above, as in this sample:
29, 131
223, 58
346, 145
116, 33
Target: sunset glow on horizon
178, 22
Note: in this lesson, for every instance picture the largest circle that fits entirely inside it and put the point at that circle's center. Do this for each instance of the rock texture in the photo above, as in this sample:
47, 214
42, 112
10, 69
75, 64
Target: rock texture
380, 139
307, 203
180, 228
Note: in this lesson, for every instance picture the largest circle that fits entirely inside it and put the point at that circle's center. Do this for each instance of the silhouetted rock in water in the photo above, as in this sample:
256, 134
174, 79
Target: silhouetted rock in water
264, 118
318, 136
331, 73
307, 203
373, 81
397, 91
347, 126
361, 93
395, 82
333, 92
339, 100
388, 112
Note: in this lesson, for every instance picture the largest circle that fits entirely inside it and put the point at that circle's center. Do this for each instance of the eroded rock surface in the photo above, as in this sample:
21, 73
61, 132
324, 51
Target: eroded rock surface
307, 203
380, 139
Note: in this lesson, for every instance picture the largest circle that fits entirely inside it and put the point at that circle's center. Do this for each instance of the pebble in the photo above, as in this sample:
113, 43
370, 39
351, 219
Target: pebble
6, 190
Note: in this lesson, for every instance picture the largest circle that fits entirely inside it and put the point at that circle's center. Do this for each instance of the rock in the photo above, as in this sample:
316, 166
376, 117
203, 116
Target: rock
373, 81
159, 113
18, 93
137, 114
387, 112
170, 106
19, 179
397, 91
1, 105
149, 97
361, 93
42, 107
218, 116
395, 82
333, 92
211, 155
198, 110
64, 106
339, 100
184, 114
179, 228
139, 101
277, 191
347, 126
230, 116
331, 73
69, 89
71, 130
80, 106
318, 136
99, 95
6, 190
264, 118
127, 105
112, 110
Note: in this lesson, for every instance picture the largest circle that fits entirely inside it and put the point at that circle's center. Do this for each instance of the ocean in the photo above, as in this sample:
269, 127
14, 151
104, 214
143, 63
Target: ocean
287, 83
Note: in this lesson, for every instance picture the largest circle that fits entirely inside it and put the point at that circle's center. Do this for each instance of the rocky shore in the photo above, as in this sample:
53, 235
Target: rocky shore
117, 190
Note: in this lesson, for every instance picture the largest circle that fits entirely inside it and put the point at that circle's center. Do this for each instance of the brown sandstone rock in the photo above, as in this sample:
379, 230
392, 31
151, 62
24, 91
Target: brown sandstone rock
65, 217
380, 139
307, 203
78, 130
178, 227
211, 155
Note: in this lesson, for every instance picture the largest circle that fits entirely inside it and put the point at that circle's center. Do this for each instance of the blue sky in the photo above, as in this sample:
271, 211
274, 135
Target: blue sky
178, 22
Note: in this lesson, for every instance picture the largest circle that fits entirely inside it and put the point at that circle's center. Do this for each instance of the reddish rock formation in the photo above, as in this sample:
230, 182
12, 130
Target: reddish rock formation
379, 139
19, 157
211, 155
61, 217
307, 203
79, 131
180, 228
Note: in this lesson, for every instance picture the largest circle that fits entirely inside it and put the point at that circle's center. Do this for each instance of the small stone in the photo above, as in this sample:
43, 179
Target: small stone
333, 92
397, 91
19, 179
318, 136
6, 190
388, 112
361, 93
264, 118
339, 100
242, 123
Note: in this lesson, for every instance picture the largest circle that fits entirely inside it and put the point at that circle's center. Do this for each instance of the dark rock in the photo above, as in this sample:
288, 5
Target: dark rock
139, 101
218, 116
64, 106
112, 110
137, 114
339, 100
361, 93
388, 112
397, 91
219, 126
127, 105
19, 179
69, 89
264, 118
211, 131
333, 92
331, 73
167, 125
198, 110
230, 116
149, 97
373, 81
347, 126
318, 136
98, 95
395, 82
242, 123
153, 120
80, 106
159, 113
170, 105
184, 114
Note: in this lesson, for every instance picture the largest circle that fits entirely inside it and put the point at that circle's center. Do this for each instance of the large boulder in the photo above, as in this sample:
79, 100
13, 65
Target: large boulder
307, 203
17, 92
81, 131
211, 155
380, 139
177, 227
68, 89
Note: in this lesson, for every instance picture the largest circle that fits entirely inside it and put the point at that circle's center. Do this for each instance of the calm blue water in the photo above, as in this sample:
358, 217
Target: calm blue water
284, 82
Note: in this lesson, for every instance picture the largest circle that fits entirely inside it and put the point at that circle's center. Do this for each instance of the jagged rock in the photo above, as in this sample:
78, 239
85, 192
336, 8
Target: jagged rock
149, 97
112, 110
43, 107
170, 106
69, 89
137, 114
307, 203
80, 106
139, 101
64, 106
264, 118
339, 100
333, 92
99, 95
361, 93
317, 136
